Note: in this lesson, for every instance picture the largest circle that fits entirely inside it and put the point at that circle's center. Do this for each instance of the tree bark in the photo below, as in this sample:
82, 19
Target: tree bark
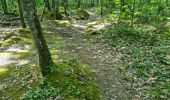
65, 4
21, 14
47, 4
4, 6
101, 7
132, 13
45, 60
78, 3
56, 10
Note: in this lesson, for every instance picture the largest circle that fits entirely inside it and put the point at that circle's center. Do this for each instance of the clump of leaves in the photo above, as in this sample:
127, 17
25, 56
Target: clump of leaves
43, 92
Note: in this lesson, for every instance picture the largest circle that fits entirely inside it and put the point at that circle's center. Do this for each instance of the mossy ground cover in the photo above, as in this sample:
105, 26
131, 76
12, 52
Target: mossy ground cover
21, 79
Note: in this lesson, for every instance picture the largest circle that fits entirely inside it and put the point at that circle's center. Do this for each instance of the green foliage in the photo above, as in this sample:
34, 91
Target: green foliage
147, 55
167, 34
45, 91
122, 32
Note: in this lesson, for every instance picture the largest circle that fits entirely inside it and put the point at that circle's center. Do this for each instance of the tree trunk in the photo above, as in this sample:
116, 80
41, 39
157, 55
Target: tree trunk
45, 60
78, 3
101, 7
21, 14
53, 4
121, 10
132, 13
65, 4
92, 3
47, 4
56, 10
4, 6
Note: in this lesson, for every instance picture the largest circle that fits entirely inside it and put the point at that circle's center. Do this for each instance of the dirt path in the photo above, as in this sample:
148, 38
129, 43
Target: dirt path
105, 60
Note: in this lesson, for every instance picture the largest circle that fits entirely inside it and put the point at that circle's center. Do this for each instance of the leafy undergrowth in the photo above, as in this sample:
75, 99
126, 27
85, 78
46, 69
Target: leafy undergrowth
146, 59
22, 79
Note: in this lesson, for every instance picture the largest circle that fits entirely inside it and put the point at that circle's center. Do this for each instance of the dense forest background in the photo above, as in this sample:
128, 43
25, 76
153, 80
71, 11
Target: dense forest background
85, 49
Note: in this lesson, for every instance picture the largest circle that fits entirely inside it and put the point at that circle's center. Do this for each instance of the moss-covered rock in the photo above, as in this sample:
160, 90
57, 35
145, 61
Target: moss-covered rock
81, 15
50, 15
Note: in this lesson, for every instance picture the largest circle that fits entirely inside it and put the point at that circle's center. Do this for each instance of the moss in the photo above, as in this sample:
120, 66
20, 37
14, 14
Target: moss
12, 40
25, 54
3, 72
75, 85
6, 34
24, 30
22, 37
19, 80
64, 23
82, 15
78, 84
50, 16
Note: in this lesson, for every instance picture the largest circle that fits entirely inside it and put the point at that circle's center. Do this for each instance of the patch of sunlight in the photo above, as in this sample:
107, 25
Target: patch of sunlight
63, 22
54, 52
21, 55
29, 41
2, 86
6, 29
166, 60
101, 26
91, 13
16, 50
168, 18
3, 70
92, 23
23, 62
5, 58
23, 51
27, 47
168, 24
78, 25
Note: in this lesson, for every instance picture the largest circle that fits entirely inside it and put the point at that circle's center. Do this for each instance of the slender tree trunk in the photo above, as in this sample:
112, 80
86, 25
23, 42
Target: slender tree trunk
47, 4
78, 3
92, 3
65, 4
45, 60
43, 12
56, 9
121, 10
53, 4
21, 14
101, 7
132, 13
4, 6
167, 2
123, 3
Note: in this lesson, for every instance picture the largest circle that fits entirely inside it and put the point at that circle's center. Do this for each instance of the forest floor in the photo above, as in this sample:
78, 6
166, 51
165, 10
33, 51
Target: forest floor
104, 59
71, 38
133, 68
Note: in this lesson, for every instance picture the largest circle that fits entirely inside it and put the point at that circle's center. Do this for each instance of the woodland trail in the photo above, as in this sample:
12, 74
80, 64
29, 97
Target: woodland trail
105, 60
